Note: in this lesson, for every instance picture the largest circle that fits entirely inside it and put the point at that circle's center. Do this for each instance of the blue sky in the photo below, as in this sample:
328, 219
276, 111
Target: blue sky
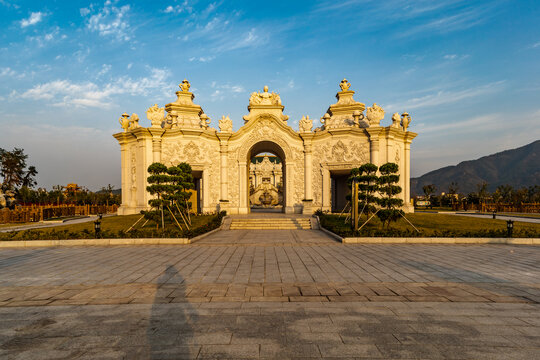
467, 71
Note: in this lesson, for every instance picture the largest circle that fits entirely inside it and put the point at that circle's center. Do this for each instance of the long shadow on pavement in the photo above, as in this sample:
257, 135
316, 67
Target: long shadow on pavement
171, 325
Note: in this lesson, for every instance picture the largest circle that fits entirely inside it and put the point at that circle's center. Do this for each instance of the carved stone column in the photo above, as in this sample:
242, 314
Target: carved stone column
224, 194
407, 177
374, 144
242, 187
326, 189
156, 149
289, 176
206, 191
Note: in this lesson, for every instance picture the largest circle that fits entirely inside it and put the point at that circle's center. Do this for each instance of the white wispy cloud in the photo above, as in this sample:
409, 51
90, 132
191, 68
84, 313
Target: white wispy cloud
47, 37
221, 91
7, 71
34, 18
452, 57
185, 7
105, 68
447, 97
109, 21
90, 94
202, 59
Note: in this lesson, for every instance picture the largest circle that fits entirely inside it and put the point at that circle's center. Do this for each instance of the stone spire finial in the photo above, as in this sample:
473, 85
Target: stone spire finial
344, 85
185, 85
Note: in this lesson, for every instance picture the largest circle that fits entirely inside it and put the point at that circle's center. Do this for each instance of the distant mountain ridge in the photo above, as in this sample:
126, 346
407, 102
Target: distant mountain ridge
517, 167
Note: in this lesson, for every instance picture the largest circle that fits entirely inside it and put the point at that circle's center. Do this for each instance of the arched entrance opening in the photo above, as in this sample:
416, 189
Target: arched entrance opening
266, 177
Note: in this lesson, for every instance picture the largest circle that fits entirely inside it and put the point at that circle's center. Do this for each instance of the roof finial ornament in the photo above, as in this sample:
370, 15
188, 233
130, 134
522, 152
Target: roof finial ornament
344, 85
185, 85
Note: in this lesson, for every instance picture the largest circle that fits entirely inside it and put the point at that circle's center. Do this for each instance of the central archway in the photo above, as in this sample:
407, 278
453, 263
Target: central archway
273, 148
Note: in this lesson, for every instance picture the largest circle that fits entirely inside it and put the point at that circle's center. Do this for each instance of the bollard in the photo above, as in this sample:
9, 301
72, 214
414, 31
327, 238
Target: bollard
97, 226
509, 228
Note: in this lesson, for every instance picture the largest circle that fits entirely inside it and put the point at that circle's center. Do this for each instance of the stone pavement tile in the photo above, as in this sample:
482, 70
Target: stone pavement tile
245, 336
190, 300
244, 351
348, 298
382, 290
217, 290
309, 290
272, 290
112, 301
28, 303
236, 290
524, 341
33, 354
498, 320
349, 350
269, 299
289, 290
299, 337
362, 289
208, 338
327, 290
361, 338
469, 298
488, 352
66, 294
308, 298
254, 290
507, 299
426, 298
345, 290
166, 352
229, 299
278, 351
400, 351
383, 298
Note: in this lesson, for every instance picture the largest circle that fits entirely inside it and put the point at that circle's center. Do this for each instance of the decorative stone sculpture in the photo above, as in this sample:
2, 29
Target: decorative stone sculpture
205, 121
306, 124
375, 114
264, 98
405, 120
344, 85
124, 121
358, 116
396, 121
185, 85
225, 124
134, 122
325, 118
155, 114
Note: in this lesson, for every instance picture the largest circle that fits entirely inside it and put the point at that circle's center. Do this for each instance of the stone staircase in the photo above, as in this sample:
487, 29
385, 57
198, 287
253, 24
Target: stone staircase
299, 223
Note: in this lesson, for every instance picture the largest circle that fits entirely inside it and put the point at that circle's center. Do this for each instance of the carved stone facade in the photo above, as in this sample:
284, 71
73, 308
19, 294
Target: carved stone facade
311, 161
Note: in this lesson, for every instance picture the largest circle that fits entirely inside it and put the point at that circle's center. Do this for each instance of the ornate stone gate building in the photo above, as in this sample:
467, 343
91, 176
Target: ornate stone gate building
315, 163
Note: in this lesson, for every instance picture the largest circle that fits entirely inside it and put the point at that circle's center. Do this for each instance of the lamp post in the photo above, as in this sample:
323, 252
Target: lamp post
509, 227
97, 226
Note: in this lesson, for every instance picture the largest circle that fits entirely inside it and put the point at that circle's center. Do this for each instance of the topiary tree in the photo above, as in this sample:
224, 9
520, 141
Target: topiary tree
158, 181
170, 187
366, 177
390, 205
180, 181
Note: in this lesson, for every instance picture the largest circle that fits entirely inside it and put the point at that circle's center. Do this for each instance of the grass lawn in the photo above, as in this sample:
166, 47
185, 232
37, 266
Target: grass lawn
114, 227
433, 225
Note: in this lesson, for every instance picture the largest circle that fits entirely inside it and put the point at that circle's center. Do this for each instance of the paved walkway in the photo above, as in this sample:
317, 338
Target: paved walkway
271, 294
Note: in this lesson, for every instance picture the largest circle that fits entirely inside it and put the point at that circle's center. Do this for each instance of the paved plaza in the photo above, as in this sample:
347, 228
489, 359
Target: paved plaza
271, 294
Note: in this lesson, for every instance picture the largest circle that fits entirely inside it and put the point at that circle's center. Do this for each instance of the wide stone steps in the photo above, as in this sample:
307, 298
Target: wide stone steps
271, 224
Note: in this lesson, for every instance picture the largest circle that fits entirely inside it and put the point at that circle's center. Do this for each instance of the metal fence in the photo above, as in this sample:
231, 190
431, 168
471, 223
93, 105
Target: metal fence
35, 213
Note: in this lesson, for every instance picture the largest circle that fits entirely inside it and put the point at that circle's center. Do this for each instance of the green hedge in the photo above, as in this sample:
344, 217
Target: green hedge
54, 234
336, 224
